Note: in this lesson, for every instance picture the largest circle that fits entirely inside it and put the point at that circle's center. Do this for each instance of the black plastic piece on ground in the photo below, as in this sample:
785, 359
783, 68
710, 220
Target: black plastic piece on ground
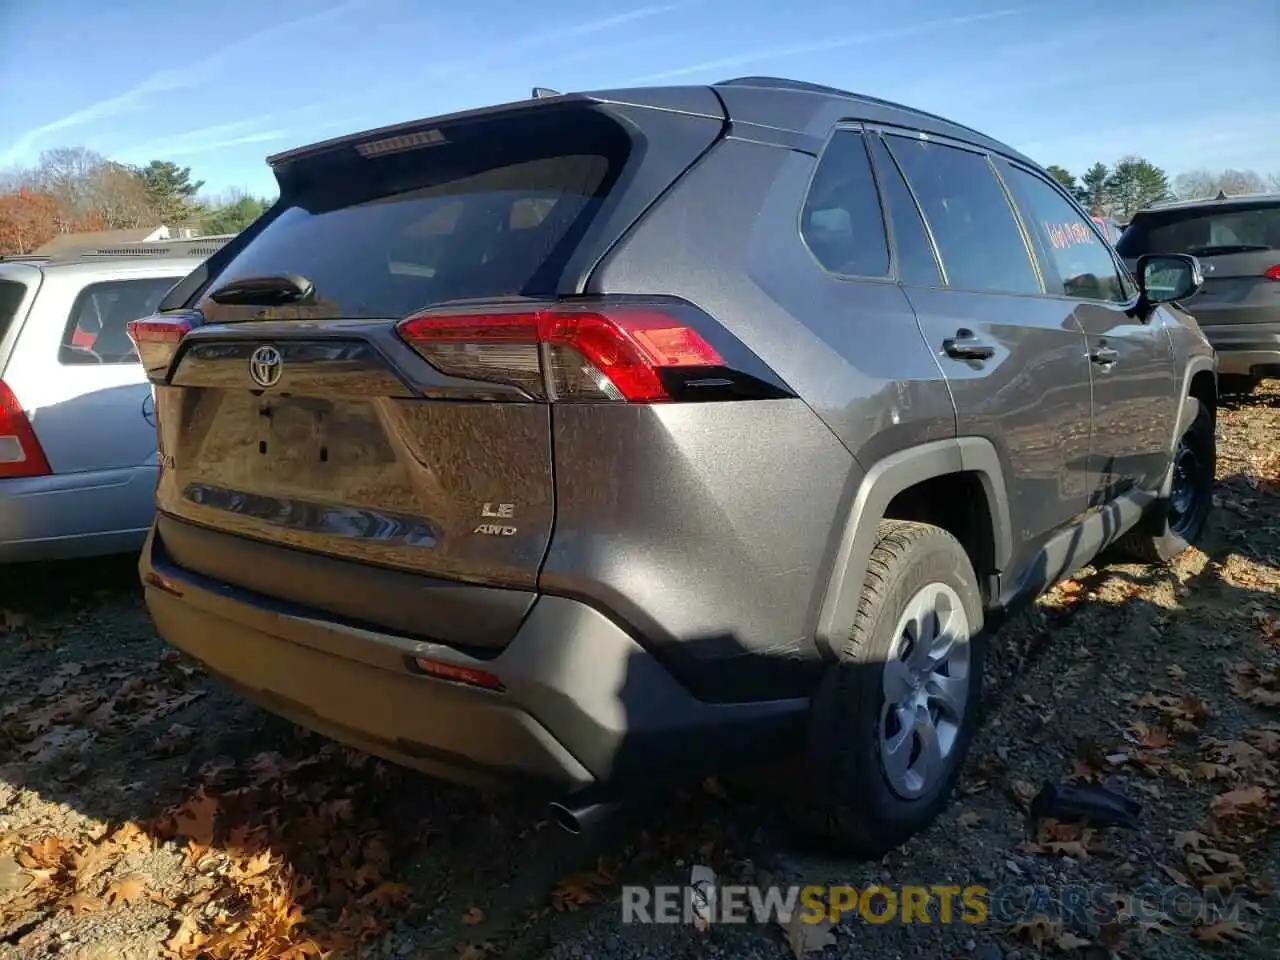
1096, 805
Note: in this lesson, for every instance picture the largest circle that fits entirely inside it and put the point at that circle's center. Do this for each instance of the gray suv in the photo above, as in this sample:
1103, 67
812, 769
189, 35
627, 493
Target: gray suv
601, 441
1237, 241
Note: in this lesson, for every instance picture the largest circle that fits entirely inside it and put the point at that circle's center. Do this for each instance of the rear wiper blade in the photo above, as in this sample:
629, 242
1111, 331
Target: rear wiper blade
265, 291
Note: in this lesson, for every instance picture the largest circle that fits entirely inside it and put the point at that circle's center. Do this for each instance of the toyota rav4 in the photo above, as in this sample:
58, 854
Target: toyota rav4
600, 441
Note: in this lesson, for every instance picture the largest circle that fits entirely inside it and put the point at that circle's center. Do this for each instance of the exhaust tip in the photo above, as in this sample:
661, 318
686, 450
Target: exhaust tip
565, 819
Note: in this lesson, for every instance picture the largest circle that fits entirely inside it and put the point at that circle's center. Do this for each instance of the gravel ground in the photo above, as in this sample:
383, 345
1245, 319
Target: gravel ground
145, 813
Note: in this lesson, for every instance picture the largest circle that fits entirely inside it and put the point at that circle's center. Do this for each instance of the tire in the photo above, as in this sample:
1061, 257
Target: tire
1179, 520
853, 803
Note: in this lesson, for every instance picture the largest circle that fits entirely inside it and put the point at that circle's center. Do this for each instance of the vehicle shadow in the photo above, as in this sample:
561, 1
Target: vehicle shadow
100, 720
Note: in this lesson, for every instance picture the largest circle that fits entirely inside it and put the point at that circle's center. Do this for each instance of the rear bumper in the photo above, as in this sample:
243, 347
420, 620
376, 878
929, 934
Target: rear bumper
583, 706
93, 513
1245, 348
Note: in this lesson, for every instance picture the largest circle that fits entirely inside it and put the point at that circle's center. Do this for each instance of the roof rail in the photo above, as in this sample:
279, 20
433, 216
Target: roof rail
782, 83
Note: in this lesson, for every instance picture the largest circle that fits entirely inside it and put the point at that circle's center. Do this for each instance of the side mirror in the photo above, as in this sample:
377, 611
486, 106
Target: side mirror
1165, 277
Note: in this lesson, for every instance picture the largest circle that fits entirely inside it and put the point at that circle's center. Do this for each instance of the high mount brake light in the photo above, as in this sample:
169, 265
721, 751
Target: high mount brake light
157, 337
606, 353
20, 452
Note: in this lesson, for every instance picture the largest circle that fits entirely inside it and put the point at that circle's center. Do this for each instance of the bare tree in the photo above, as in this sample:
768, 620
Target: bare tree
1195, 184
121, 197
1200, 184
1233, 182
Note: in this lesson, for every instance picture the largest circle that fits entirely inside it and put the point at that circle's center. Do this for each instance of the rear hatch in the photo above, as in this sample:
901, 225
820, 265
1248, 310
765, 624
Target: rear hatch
1238, 246
308, 451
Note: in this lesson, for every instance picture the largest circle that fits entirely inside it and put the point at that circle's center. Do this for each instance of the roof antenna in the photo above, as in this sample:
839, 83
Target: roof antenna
541, 93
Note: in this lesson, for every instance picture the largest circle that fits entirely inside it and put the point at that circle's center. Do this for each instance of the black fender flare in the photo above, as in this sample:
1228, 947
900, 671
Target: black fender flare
883, 481
1187, 412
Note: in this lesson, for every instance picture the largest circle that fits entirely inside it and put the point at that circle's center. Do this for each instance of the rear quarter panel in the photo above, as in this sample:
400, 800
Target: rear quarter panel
759, 489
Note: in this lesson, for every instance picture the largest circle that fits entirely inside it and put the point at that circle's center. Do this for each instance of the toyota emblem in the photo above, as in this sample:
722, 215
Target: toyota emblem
265, 366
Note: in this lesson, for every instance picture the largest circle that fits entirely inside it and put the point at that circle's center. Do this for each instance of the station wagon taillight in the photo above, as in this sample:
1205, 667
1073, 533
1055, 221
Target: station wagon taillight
20, 452
157, 337
1272, 273
564, 352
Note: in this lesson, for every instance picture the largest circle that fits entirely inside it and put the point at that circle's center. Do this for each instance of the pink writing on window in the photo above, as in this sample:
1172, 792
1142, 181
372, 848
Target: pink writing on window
1064, 235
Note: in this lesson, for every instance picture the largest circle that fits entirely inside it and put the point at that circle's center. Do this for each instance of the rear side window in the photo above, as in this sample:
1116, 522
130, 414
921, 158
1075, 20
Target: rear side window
841, 222
1081, 260
916, 262
95, 332
1204, 232
978, 238
11, 294
384, 236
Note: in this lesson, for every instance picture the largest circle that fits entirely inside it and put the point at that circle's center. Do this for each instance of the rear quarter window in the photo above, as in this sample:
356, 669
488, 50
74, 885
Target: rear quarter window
96, 332
11, 294
841, 222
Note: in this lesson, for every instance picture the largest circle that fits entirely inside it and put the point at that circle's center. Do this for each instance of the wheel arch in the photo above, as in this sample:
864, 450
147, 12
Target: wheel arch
884, 482
1199, 386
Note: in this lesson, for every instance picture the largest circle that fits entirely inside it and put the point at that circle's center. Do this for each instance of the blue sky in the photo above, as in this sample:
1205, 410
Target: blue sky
218, 86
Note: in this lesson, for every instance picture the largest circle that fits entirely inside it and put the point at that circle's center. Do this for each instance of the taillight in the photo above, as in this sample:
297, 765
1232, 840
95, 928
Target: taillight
157, 337
20, 452
565, 352
1272, 273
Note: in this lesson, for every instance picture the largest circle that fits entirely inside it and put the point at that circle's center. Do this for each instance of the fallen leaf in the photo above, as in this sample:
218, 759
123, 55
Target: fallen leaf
1189, 840
1069, 941
1150, 738
89, 865
1235, 802
714, 787
1023, 793
1175, 672
47, 852
126, 889
386, 892
572, 893
300, 951
473, 951
195, 818
255, 866
1267, 739
131, 838
1037, 932
187, 939
1223, 931
473, 916
804, 938
82, 903
13, 620
969, 818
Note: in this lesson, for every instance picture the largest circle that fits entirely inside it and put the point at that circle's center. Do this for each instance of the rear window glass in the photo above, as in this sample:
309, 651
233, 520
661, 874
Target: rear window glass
11, 294
497, 214
1204, 232
95, 332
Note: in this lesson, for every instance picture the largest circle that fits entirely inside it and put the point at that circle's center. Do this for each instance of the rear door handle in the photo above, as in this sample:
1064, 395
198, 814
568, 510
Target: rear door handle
965, 346
1104, 355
